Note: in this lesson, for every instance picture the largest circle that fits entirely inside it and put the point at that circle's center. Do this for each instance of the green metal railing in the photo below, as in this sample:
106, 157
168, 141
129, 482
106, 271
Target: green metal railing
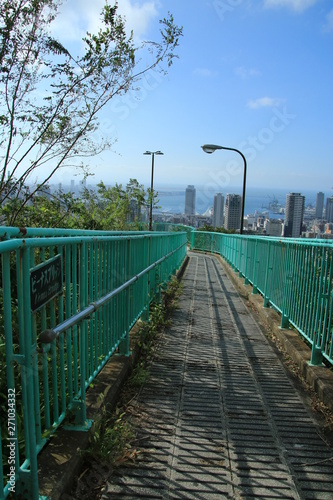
294, 276
67, 303
169, 226
7, 232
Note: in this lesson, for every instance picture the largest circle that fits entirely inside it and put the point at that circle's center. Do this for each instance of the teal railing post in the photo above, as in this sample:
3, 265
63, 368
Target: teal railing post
221, 245
266, 295
316, 352
75, 257
192, 239
147, 250
255, 272
246, 278
124, 344
68, 257
286, 284
28, 479
78, 406
327, 293
323, 293
157, 291
235, 240
12, 421
240, 274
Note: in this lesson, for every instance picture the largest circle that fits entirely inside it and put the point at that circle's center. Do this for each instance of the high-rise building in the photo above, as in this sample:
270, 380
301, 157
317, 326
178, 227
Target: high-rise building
218, 210
273, 227
190, 194
232, 211
329, 209
294, 215
319, 205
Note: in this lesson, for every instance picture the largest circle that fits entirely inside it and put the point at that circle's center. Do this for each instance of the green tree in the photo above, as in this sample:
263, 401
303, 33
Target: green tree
107, 208
43, 210
59, 129
119, 207
216, 229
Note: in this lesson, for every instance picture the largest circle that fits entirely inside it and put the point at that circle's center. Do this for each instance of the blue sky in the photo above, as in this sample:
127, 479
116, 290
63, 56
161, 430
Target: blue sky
252, 75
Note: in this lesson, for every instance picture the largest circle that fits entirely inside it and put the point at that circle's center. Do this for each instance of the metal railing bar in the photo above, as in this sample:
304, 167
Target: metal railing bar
17, 244
300, 288
31, 232
49, 335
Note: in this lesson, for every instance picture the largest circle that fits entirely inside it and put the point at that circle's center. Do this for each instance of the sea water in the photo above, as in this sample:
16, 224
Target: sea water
172, 199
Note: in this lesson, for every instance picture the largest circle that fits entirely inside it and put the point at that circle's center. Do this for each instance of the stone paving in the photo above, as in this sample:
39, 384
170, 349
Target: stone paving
219, 417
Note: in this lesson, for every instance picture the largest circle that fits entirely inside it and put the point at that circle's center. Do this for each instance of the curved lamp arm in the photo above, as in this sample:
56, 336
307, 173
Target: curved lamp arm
210, 148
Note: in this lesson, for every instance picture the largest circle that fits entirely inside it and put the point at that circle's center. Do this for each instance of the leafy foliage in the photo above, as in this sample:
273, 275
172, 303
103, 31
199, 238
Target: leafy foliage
50, 99
107, 208
211, 229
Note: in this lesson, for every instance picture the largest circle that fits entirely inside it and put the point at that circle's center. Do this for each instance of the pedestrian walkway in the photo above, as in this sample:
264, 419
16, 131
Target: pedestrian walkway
219, 417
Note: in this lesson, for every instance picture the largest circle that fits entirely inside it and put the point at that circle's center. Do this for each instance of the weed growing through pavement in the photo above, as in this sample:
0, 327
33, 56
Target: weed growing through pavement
114, 442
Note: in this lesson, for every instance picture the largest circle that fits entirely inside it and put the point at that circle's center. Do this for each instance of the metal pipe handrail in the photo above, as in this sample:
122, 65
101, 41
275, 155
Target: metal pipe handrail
49, 335
121, 272
7, 232
294, 276
10, 245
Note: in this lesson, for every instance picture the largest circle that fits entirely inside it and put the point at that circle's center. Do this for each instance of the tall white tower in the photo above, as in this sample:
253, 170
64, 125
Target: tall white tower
190, 195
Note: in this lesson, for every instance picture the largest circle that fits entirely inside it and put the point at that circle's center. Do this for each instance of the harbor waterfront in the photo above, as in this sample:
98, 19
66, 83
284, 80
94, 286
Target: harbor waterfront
258, 200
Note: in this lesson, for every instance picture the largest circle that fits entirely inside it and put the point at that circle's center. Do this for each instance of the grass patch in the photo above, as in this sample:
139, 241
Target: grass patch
114, 441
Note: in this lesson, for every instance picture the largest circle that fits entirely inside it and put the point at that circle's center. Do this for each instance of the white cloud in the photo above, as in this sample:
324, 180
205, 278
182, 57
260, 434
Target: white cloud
297, 5
245, 73
265, 102
329, 22
76, 17
138, 17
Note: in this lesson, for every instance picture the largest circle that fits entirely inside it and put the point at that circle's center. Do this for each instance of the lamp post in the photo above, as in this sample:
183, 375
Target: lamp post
152, 153
210, 148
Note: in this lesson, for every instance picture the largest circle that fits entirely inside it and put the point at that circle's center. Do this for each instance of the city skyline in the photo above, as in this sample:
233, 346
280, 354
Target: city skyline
292, 218
238, 82
200, 202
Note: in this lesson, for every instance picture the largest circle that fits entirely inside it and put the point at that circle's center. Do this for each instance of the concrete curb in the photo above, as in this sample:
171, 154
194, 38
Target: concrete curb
320, 379
60, 461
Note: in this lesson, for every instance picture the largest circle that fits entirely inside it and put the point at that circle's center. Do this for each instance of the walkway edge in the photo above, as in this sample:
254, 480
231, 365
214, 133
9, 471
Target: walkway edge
60, 461
320, 379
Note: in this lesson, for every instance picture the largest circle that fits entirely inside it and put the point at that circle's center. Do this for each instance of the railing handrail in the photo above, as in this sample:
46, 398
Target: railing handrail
16, 244
297, 280
299, 241
7, 232
56, 343
49, 335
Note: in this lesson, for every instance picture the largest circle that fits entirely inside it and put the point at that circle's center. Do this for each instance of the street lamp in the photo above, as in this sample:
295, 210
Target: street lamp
152, 153
210, 148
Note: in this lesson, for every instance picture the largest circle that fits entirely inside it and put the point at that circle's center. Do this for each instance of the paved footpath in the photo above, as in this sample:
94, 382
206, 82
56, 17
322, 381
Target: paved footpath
219, 417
